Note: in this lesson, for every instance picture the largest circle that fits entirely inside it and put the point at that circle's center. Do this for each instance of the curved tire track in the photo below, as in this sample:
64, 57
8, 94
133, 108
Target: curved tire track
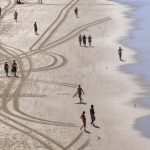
16, 101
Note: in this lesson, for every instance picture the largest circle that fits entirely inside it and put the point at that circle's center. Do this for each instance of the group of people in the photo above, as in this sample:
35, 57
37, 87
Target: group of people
83, 39
14, 68
80, 92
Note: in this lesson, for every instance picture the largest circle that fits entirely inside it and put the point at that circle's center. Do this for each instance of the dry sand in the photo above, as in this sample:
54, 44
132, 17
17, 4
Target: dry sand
38, 111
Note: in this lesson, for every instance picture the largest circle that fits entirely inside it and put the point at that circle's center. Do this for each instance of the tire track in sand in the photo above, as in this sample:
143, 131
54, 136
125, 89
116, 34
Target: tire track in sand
5, 109
74, 33
8, 7
36, 132
15, 97
55, 25
66, 37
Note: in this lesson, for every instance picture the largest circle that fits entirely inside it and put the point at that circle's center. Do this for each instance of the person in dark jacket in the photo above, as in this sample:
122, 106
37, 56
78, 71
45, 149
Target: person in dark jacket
76, 11
89, 40
15, 16
39, 1
120, 53
80, 39
0, 12
18, 1
92, 113
6, 68
35, 28
14, 68
84, 40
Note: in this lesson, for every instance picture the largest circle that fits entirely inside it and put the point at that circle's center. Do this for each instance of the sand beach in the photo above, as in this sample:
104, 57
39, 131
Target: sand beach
37, 109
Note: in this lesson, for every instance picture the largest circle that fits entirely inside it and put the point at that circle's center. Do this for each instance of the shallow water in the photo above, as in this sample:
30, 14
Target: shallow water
140, 41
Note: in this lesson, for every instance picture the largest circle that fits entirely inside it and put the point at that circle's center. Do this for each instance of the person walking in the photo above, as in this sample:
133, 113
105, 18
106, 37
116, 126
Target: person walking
89, 40
83, 120
14, 68
15, 16
35, 28
80, 39
6, 68
84, 40
76, 12
92, 113
120, 53
80, 92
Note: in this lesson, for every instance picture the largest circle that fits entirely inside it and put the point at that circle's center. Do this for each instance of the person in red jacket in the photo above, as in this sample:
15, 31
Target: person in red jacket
6, 68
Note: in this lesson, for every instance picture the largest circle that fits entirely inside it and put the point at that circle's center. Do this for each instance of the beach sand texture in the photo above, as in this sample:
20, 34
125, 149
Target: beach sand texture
38, 111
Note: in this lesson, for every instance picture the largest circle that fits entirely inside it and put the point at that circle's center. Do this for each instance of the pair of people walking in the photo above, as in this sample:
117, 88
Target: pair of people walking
83, 117
14, 68
83, 39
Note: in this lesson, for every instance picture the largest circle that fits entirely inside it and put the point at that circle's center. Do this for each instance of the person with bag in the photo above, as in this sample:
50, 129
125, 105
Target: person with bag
14, 68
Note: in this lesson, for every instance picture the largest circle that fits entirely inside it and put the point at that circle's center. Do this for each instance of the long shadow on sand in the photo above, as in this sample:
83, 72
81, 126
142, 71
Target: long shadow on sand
81, 103
96, 126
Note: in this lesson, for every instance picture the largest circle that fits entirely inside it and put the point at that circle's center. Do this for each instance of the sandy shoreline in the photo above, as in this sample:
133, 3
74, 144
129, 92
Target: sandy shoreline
44, 100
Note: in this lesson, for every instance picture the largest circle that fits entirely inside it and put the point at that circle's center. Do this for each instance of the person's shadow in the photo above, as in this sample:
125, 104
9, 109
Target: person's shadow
17, 77
96, 126
122, 60
87, 132
81, 103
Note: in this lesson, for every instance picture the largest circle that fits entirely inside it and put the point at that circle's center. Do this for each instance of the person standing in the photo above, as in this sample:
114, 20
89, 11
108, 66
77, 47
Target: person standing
89, 40
80, 92
6, 68
35, 28
76, 11
14, 68
92, 113
39, 1
18, 1
84, 40
15, 16
83, 120
80, 39
120, 53
0, 12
